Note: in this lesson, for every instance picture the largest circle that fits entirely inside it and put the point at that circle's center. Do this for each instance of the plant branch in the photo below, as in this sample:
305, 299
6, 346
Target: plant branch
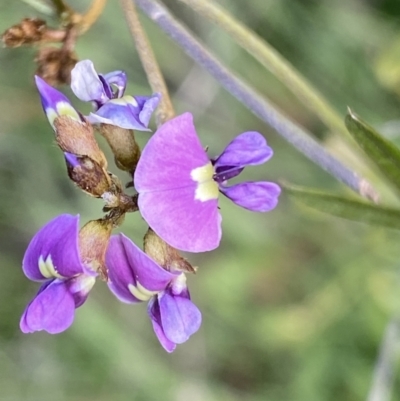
91, 16
273, 61
165, 110
290, 131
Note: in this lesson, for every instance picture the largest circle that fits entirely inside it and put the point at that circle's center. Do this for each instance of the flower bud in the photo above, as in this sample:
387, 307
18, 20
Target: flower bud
87, 174
123, 145
93, 242
165, 255
78, 138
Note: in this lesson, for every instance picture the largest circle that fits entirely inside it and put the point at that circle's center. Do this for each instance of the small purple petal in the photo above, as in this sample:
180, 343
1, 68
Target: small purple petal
180, 317
71, 159
249, 148
153, 310
117, 79
147, 105
52, 309
54, 246
128, 264
119, 112
255, 196
54, 103
86, 84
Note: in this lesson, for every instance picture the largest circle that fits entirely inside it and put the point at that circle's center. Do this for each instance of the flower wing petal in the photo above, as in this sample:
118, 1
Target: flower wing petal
153, 310
249, 148
52, 310
54, 250
180, 317
119, 113
255, 196
128, 265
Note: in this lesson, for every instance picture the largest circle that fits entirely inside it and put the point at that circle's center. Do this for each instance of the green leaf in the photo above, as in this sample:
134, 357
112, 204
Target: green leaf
382, 152
347, 208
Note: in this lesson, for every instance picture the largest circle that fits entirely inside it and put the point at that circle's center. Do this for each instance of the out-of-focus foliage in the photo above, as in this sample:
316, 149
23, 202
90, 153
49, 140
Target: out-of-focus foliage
294, 303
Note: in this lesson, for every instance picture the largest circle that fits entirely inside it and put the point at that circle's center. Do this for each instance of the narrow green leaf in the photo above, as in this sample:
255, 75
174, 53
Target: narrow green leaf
382, 152
347, 208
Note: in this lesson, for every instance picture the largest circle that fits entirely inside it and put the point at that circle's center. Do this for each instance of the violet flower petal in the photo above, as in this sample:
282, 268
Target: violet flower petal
125, 113
181, 221
180, 206
255, 196
180, 317
147, 105
52, 309
133, 275
79, 287
86, 84
54, 103
117, 79
153, 310
53, 252
249, 148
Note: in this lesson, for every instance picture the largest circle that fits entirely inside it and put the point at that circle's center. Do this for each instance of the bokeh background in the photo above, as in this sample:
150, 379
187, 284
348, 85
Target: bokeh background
295, 303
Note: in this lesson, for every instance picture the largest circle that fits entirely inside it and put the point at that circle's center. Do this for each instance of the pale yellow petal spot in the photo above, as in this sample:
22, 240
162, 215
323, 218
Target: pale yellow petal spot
47, 268
65, 109
123, 101
51, 116
207, 188
141, 293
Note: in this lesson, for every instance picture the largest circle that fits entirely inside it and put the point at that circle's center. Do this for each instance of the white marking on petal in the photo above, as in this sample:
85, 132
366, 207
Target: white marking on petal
207, 188
124, 100
65, 109
47, 268
51, 116
179, 284
141, 293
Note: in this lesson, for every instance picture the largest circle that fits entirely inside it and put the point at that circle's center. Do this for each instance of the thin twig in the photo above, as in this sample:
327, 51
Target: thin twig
91, 15
382, 382
290, 131
165, 110
273, 61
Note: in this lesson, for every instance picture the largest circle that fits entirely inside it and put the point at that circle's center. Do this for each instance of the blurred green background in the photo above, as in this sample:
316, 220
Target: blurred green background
294, 303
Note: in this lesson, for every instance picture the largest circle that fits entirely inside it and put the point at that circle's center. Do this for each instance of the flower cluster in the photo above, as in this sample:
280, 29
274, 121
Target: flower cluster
177, 186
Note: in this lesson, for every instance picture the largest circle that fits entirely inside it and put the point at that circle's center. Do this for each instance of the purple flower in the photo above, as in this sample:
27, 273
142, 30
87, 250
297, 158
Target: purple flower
54, 103
106, 92
53, 258
135, 277
178, 184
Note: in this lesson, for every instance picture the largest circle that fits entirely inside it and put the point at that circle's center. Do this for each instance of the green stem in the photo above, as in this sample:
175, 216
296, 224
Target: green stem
293, 133
273, 61
165, 110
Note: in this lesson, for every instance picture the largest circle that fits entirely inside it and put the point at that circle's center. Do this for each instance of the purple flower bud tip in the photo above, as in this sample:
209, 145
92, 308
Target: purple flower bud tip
53, 258
54, 103
177, 182
71, 159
